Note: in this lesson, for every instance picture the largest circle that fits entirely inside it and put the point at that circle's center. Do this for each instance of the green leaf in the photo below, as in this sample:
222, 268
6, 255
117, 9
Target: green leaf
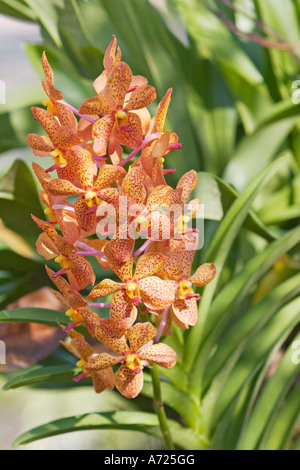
248, 325
16, 9
255, 151
220, 248
259, 349
214, 191
75, 38
146, 423
48, 14
286, 420
19, 199
269, 400
34, 315
40, 375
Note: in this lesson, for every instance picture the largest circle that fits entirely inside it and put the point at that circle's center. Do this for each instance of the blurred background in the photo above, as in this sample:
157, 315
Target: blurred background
233, 66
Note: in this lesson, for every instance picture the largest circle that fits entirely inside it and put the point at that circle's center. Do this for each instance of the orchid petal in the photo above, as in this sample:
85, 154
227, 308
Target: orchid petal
141, 97
140, 334
148, 264
102, 130
128, 383
159, 354
204, 275
123, 312
156, 293
186, 311
106, 287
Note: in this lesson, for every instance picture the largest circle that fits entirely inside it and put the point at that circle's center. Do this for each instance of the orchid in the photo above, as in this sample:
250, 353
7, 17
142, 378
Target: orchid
102, 379
118, 122
140, 352
154, 278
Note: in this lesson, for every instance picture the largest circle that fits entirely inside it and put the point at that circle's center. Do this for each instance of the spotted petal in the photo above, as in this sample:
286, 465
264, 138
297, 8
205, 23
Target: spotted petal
74, 299
96, 106
158, 122
106, 287
63, 188
100, 362
108, 175
122, 270
102, 130
48, 122
140, 334
78, 345
186, 311
204, 275
118, 83
188, 183
133, 186
123, 312
103, 379
156, 293
148, 264
141, 97
81, 273
128, 383
42, 144
133, 136
159, 354
109, 334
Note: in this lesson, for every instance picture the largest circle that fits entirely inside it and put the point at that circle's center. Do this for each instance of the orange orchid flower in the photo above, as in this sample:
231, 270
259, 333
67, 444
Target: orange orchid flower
102, 379
53, 94
62, 136
77, 306
90, 191
178, 267
50, 245
118, 122
133, 358
156, 293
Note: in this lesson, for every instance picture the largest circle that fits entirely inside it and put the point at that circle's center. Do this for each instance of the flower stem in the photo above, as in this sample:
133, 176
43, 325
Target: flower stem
160, 410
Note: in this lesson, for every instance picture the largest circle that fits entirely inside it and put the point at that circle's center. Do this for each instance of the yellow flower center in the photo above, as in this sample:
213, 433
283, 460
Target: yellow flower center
50, 107
58, 158
121, 118
132, 290
75, 316
141, 223
161, 161
81, 364
62, 260
133, 362
52, 216
182, 223
91, 199
185, 288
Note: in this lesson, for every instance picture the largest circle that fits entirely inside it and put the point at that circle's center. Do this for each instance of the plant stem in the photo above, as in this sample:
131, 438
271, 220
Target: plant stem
160, 410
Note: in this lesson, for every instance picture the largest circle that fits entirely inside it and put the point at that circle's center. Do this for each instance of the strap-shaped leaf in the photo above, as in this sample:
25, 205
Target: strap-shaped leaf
40, 375
271, 397
220, 248
34, 315
146, 423
227, 387
250, 324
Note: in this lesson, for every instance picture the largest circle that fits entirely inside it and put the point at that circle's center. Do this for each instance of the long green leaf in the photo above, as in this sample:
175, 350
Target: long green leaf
40, 375
259, 349
146, 423
34, 315
271, 397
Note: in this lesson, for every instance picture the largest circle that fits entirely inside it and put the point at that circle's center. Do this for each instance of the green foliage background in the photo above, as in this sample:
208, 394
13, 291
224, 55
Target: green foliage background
232, 108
